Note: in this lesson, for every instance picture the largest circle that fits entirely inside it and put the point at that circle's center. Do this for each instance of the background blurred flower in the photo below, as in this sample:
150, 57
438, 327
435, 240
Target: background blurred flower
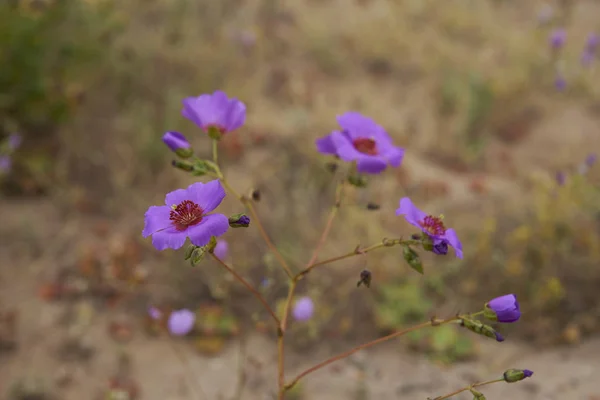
303, 309
557, 39
181, 322
222, 249
5, 163
14, 141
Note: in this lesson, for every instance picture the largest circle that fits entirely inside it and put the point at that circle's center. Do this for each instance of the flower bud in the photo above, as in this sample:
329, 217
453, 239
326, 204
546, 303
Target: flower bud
413, 259
365, 278
477, 395
481, 329
239, 221
516, 375
197, 256
357, 180
503, 309
183, 165
178, 144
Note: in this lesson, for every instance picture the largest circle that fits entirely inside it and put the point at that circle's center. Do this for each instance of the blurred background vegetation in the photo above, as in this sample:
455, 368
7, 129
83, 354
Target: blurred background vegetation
473, 90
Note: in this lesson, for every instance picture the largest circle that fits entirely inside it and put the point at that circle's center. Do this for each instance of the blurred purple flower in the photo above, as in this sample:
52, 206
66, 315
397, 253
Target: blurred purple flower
557, 39
186, 215
14, 141
181, 322
215, 111
587, 58
560, 83
303, 309
5, 163
431, 226
503, 309
561, 178
154, 312
363, 141
221, 249
175, 141
592, 42
591, 159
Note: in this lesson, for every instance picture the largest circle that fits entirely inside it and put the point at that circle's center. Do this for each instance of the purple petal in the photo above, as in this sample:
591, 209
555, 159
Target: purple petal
175, 141
528, 373
370, 164
207, 195
453, 240
156, 219
181, 322
325, 145
357, 125
221, 249
236, 115
211, 225
303, 309
411, 213
169, 238
176, 197
394, 156
344, 147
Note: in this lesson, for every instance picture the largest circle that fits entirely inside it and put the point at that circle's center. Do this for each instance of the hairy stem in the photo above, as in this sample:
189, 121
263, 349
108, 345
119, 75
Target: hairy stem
215, 151
432, 322
467, 388
248, 286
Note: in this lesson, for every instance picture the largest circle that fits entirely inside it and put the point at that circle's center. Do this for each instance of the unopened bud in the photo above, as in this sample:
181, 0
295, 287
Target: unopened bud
358, 181
477, 395
255, 195
516, 375
481, 329
183, 165
197, 255
365, 278
373, 206
189, 251
413, 259
239, 221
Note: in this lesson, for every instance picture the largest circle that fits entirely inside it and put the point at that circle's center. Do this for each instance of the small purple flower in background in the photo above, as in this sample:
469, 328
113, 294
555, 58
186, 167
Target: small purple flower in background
591, 159
178, 143
14, 141
363, 141
503, 309
560, 83
592, 42
181, 322
154, 313
5, 164
221, 249
557, 39
587, 58
215, 111
561, 178
186, 215
431, 226
303, 309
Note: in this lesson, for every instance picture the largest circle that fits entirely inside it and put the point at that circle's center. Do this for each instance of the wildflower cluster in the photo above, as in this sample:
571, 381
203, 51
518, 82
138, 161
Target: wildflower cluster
367, 149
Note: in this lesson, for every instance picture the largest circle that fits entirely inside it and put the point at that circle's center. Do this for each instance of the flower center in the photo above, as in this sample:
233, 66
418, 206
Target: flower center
433, 225
365, 146
186, 213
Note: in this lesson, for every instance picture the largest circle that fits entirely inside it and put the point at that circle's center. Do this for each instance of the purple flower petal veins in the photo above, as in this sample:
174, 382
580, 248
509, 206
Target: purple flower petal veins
363, 141
303, 309
185, 215
175, 141
181, 322
215, 110
432, 226
503, 309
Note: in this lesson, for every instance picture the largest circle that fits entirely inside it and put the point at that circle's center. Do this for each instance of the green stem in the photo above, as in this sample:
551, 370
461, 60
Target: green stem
215, 151
467, 388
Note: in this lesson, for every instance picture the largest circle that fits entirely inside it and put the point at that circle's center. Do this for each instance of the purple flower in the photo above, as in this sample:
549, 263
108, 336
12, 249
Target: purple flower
592, 42
587, 58
503, 309
177, 143
499, 337
591, 160
14, 141
154, 313
560, 83
181, 322
363, 141
528, 373
186, 215
431, 226
215, 111
558, 38
561, 178
5, 163
221, 249
515, 375
303, 309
